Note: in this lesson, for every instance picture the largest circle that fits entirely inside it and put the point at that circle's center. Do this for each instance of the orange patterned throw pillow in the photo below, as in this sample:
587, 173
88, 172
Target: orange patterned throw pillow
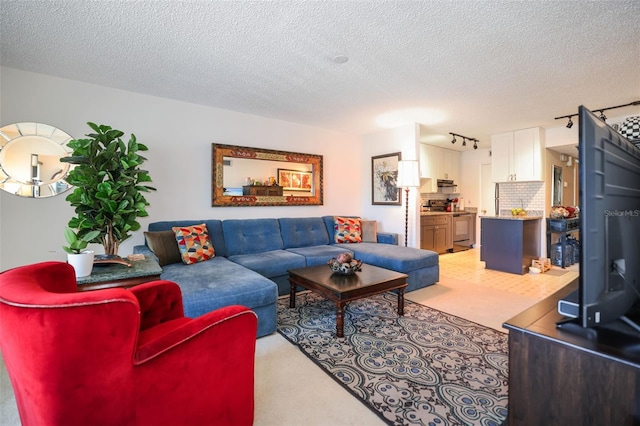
347, 229
194, 243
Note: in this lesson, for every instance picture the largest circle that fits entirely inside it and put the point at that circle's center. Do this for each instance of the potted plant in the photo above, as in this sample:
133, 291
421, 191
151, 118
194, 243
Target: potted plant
77, 256
109, 186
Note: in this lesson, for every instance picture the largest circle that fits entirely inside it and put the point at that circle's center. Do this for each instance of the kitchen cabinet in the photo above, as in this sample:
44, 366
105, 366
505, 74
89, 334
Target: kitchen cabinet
450, 165
438, 163
518, 155
436, 233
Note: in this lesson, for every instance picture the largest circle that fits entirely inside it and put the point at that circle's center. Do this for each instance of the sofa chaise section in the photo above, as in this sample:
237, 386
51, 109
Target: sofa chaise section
422, 266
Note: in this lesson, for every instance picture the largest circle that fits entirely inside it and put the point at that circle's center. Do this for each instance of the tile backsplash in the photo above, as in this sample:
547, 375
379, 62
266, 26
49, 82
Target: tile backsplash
528, 195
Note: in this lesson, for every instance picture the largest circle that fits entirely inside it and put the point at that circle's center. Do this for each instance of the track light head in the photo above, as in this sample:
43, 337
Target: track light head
570, 123
464, 140
602, 116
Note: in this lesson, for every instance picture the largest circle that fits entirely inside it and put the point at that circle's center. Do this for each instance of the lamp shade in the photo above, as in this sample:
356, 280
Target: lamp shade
408, 174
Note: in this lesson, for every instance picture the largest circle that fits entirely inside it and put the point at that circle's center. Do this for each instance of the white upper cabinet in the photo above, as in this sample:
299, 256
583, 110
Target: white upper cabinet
428, 165
451, 165
518, 155
502, 157
438, 163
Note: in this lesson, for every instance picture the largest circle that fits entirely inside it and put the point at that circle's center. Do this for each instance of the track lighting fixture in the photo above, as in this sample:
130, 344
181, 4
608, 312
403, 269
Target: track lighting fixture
570, 123
465, 139
600, 110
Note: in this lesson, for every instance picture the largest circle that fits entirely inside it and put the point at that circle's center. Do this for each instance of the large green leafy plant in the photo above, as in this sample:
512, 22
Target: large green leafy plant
109, 186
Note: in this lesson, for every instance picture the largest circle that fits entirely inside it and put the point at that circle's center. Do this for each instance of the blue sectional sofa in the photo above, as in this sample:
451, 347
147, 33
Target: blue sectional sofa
252, 257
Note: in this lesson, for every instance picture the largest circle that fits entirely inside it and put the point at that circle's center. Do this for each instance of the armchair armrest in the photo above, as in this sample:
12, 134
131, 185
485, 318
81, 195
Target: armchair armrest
221, 327
160, 301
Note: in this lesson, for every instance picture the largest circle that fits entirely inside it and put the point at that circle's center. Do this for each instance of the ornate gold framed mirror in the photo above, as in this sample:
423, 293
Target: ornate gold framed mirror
244, 176
30, 160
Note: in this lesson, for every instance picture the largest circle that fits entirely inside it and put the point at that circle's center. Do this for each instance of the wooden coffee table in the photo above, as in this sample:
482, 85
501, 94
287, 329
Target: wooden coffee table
342, 289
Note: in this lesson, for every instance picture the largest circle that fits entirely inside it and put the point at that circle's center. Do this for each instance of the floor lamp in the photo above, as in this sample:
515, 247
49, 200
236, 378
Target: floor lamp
408, 177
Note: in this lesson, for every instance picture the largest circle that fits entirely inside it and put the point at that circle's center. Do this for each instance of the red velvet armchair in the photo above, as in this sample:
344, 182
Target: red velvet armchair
122, 357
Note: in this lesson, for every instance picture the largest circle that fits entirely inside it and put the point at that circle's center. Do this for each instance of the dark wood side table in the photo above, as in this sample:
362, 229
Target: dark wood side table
116, 275
262, 190
342, 289
579, 377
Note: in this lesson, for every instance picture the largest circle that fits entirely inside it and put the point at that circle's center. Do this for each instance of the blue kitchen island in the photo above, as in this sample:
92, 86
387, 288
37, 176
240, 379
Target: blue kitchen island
510, 243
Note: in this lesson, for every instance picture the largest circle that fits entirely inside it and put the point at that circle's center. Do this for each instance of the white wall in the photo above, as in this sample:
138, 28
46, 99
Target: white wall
404, 139
179, 137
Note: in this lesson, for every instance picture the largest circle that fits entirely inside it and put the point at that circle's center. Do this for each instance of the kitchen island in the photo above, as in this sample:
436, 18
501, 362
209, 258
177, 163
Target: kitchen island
509, 243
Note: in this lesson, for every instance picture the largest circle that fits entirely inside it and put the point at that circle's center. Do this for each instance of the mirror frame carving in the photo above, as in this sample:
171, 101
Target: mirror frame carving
218, 199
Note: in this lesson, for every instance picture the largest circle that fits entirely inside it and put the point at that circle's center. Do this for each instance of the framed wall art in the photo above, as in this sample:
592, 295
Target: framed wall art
295, 180
384, 179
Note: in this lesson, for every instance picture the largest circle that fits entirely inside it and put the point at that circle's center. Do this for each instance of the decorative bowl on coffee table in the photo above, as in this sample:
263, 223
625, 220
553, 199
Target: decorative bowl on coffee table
345, 268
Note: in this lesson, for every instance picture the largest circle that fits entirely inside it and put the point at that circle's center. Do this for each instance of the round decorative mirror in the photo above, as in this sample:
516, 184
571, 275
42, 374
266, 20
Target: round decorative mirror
30, 160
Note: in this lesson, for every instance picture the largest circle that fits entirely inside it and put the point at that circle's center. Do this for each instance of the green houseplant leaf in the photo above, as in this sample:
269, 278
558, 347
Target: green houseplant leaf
77, 244
108, 187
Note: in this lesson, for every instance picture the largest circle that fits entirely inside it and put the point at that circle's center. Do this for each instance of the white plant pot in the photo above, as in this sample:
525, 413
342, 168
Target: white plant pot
82, 263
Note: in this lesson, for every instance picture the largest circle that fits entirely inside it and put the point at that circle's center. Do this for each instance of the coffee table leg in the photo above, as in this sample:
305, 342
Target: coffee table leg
401, 301
292, 295
340, 320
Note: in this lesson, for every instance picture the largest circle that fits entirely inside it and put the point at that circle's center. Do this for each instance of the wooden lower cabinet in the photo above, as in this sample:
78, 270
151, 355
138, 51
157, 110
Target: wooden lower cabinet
436, 233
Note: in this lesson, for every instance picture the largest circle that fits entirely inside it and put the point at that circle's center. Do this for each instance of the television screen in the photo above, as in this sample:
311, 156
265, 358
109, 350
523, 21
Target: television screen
609, 187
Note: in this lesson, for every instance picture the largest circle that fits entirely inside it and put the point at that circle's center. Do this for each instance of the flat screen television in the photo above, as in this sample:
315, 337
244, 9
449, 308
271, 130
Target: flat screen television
609, 188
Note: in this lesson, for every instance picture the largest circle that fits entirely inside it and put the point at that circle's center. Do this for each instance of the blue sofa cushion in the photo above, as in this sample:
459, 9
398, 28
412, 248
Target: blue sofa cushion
303, 232
318, 255
214, 228
248, 236
218, 282
270, 263
400, 259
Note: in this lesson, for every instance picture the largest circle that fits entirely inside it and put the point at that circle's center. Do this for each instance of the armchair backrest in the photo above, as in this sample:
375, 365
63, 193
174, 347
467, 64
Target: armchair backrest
62, 345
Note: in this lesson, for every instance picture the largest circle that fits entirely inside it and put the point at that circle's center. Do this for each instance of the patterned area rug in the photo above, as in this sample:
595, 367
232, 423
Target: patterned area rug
426, 368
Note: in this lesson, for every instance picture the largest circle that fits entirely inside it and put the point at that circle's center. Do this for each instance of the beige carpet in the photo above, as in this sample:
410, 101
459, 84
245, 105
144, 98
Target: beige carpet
291, 390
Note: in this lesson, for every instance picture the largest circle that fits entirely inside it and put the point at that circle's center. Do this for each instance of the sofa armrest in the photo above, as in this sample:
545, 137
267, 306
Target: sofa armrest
388, 238
144, 249
160, 301
214, 329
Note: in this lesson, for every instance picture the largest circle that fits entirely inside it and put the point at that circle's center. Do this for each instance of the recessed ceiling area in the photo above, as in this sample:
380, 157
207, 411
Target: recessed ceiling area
469, 67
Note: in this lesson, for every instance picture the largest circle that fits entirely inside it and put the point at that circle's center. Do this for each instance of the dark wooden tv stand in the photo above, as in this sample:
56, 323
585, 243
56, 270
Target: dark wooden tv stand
560, 377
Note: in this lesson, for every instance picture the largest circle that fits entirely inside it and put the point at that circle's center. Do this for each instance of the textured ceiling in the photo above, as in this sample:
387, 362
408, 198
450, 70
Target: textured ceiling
477, 67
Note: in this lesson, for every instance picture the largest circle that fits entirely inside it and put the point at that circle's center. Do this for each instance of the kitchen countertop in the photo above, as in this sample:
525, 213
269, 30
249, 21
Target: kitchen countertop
512, 217
445, 213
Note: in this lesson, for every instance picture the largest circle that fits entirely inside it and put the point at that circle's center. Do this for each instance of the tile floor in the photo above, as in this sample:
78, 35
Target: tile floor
466, 266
